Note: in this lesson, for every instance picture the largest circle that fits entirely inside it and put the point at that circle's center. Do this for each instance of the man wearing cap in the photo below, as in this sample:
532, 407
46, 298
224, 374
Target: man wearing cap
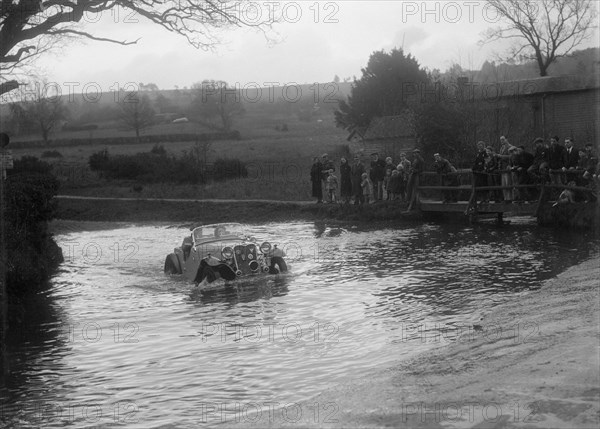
443, 167
416, 168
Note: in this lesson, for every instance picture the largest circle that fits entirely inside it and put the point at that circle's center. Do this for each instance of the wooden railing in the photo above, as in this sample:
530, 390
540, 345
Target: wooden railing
542, 187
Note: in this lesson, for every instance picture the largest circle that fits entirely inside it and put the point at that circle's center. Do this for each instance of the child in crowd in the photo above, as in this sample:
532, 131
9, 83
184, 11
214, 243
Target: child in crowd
394, 185
367, 188
332, 185
386, 184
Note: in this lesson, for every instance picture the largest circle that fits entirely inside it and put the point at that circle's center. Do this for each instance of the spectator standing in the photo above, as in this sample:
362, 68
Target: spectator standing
479, 176
376, 174
332, 185
571, 160
491, 169
387, 193
367, 189
346, 181
315, 178
357, 171
416, 168
394, 185
389, 167
404, 169
556, 160
503, 167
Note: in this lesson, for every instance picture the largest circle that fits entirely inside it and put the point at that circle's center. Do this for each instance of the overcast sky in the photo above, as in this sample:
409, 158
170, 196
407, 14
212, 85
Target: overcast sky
316, 40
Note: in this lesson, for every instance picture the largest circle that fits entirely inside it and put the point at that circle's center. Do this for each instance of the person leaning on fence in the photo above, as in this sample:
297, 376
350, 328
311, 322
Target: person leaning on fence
538, 171
503, 163
522, 161
588, 164
345, 181
357, 170
479, 175
491, 169
414, 177
443, 167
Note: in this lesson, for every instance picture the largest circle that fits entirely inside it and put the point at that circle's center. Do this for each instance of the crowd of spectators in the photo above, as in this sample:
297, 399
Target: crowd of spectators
362, 184
518, 169
512, 169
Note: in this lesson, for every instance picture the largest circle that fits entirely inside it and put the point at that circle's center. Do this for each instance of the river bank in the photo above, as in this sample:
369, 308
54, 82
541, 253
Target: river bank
214, 211
531, 362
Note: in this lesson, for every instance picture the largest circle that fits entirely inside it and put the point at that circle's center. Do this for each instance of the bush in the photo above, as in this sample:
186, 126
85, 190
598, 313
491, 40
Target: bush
225, 169
158, 149
51, 154
32, 254
148, 167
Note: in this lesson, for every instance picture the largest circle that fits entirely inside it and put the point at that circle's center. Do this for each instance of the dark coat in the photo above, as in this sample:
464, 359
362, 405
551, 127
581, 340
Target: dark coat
572, 159
479, 163
315, 178
346, 179
377, 172
357, 171
556, 156
418, 164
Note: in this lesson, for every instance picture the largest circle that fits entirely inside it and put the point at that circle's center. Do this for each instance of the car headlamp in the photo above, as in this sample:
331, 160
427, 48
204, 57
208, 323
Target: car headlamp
227, 252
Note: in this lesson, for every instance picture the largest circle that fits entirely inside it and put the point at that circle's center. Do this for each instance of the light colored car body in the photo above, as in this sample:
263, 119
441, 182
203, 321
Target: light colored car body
223, 251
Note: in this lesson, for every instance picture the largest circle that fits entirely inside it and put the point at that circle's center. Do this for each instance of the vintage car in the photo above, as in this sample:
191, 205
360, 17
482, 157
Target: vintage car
223, 251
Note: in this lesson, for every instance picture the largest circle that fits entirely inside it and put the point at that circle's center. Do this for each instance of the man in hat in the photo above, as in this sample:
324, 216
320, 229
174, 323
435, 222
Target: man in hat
416, 168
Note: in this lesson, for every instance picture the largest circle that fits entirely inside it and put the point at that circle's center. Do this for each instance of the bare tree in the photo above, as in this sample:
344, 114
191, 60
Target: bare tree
137, 112
544, 29
30, 27
216, 104
43, 114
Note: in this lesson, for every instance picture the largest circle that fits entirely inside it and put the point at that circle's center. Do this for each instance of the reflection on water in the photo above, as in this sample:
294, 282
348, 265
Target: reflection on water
114, 341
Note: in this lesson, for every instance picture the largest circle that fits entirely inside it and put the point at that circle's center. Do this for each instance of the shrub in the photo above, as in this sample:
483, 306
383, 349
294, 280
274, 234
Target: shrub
225, 169
51, 154
158, 149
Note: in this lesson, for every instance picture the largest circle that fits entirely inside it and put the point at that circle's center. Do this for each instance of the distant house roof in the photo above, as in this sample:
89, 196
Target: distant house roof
540, 85
357, 132
388, 127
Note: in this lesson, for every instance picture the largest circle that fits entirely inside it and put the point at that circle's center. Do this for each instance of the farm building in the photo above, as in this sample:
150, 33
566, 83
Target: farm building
389, 136
541, 107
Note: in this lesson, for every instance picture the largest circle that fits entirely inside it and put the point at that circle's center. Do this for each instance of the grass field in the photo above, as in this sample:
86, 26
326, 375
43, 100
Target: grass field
278, 162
